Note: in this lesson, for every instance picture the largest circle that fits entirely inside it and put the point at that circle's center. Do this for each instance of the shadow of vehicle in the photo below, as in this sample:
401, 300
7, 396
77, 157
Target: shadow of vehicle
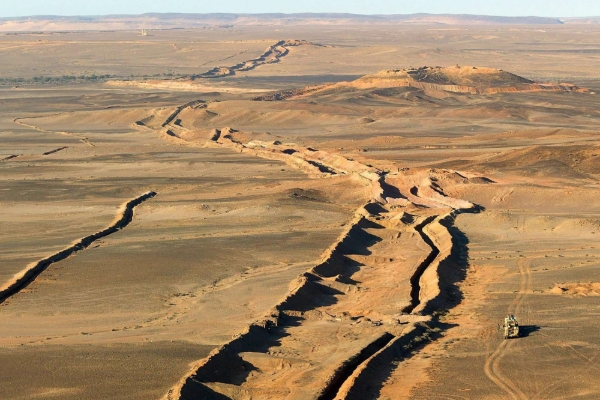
526, 330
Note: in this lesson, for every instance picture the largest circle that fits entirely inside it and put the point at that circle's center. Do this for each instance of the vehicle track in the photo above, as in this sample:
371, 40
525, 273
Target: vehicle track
588, 362
492, 364
27, 276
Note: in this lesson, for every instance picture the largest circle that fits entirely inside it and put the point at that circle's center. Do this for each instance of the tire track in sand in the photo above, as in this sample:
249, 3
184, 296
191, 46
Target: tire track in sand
492, 363
24, 278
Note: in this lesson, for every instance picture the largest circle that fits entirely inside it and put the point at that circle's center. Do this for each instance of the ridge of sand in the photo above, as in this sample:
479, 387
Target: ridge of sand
376, 288
315, 301
236, 235
47, 153
24, 278
272, 55
83, 139
193, 86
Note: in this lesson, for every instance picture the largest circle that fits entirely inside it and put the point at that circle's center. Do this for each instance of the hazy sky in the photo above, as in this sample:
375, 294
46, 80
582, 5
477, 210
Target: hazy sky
550, 8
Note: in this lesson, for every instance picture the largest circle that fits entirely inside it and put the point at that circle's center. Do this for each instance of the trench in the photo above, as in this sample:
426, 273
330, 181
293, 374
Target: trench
179, 109
387, 343
322, 167
55, 151
416, 278
31, 274
272, 55
348, 368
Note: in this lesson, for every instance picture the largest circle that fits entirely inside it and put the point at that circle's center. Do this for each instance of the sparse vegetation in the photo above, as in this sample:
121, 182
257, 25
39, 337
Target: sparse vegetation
72, 79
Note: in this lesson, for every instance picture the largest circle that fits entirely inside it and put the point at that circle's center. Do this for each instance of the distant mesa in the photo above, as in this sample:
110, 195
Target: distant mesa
229, 21
582, 20
459, 79
456, 75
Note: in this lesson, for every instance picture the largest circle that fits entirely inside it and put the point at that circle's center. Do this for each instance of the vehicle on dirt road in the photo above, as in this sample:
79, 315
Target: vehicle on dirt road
511, 327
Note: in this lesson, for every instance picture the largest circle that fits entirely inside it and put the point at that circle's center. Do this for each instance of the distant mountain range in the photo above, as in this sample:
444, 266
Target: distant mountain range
172, 21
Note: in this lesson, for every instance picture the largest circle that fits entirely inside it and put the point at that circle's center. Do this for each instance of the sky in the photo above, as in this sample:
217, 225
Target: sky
543, 8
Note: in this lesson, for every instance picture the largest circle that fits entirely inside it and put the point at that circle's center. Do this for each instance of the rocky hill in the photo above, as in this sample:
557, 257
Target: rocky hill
460, 79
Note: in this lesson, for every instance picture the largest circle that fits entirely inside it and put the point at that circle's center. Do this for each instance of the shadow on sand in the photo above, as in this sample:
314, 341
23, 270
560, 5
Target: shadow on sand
526, 330
452, 271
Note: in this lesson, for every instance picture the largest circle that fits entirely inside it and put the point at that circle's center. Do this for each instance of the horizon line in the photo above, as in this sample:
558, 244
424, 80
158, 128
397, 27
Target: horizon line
307, 13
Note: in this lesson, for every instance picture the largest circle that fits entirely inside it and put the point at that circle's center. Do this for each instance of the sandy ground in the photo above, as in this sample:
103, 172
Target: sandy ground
347, 241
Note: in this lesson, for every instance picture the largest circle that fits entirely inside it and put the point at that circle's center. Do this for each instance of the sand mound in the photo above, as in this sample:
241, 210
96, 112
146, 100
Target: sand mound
577, 289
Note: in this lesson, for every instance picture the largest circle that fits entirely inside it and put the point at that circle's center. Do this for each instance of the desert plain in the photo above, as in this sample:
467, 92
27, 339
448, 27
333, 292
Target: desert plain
325, 210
